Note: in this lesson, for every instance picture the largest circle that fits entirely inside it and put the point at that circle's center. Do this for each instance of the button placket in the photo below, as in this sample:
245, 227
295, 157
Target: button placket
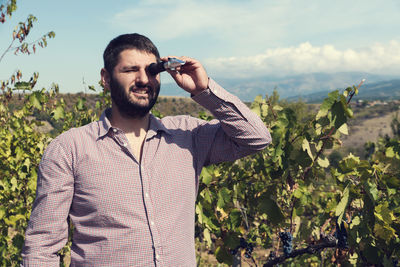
149, 211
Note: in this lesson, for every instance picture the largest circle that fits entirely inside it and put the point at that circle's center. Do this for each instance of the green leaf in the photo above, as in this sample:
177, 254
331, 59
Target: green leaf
14, 183
235, 219
383, 213
258, 99
338, 114
341, 207
80, 104
58, 113
306, 147
355, 221
389, 152
344, 129
327, 104
207, 237
223, 197
264, 110
22, 86
298, 193
33, 99
18, 241
323, 162
269, 207
393, 181
2, 212
371, 190
223, 255
206, 176
384, 232
231, 240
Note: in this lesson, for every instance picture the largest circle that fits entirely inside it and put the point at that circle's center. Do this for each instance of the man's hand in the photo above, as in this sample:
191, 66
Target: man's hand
191, 77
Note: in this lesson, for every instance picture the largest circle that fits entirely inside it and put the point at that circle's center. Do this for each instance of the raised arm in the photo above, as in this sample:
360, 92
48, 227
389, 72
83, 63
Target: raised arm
236, 132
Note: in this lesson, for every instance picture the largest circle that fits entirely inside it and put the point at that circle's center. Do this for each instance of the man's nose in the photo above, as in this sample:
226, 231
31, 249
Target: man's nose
142, 77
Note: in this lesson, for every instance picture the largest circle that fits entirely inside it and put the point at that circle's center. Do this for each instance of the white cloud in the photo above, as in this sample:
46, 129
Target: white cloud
239, 26
239, 20
294, 32
306, 58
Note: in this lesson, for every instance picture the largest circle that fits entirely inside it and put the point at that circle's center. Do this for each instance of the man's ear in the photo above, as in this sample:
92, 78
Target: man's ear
105, 78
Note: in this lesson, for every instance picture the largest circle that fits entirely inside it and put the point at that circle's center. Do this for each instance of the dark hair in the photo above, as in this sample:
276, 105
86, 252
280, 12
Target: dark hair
127, 41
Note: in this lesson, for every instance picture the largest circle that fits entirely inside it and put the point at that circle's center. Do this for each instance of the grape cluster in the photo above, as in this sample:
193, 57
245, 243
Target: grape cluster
272, 255
286, 238
341, 236
249, 247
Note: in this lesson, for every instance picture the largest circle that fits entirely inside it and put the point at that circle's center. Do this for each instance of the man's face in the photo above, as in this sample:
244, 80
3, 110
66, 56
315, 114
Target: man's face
133, 90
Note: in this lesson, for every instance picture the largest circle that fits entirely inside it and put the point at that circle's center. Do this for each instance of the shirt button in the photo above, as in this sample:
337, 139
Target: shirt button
147, 195
124, 144
157, 256
151, 222
114, 130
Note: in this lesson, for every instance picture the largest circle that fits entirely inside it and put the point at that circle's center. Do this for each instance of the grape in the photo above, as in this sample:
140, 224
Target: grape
249, 250
286, 239
249, 247
272, 255
234, 251
243, 243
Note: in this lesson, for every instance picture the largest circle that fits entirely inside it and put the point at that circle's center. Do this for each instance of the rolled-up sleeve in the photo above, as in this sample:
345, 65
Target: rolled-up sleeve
236, 132
47, 230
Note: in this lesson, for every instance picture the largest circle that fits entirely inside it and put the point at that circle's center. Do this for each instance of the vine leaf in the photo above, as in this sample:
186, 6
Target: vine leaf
58, 113
323, 162
341, 207
269, 207
306, 147
344, 129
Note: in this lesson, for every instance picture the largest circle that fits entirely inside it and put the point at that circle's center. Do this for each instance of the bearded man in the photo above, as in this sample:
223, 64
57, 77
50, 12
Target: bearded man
128, 182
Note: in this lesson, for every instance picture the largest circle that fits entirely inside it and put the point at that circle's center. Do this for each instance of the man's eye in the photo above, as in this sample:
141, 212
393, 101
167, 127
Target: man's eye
131, 70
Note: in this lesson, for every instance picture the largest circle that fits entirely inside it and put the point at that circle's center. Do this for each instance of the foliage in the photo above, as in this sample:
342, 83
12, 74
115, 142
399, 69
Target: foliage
291, 186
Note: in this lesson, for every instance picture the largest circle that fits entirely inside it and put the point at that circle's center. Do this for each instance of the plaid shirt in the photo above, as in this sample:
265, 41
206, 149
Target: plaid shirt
128, 213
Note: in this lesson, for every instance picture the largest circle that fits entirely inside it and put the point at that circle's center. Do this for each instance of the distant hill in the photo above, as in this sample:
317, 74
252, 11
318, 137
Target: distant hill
296, 86
384, 90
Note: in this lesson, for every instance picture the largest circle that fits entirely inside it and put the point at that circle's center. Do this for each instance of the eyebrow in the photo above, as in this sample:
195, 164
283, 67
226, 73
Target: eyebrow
130, 67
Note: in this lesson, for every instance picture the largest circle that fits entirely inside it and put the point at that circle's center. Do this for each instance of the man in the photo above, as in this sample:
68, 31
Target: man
129, 181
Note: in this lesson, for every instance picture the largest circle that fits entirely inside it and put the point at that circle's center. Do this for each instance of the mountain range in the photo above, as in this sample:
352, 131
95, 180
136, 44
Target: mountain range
312, 87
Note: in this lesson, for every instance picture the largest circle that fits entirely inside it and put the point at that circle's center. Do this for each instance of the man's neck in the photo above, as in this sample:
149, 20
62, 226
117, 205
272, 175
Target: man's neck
129, 125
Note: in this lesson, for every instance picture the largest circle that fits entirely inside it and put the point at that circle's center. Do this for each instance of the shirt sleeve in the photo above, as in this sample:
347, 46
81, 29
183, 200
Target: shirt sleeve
236, 132
47, 230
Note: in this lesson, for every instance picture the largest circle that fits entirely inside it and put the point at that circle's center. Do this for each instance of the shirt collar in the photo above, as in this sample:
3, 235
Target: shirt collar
155, 125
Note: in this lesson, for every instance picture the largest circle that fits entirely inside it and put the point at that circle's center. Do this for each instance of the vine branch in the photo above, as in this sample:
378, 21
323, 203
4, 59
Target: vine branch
328, 242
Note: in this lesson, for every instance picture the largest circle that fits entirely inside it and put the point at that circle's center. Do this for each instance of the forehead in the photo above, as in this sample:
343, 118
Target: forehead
135, 57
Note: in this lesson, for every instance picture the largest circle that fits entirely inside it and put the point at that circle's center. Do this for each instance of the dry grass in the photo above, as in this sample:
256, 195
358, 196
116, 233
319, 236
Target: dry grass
369, 130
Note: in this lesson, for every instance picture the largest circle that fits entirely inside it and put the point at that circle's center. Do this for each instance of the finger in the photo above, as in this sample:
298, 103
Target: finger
175, 74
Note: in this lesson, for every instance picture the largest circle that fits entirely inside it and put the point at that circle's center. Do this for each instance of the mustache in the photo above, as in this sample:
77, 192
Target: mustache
141, 86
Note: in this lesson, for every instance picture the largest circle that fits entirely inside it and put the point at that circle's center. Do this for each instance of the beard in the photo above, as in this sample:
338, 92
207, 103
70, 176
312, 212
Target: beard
129, 107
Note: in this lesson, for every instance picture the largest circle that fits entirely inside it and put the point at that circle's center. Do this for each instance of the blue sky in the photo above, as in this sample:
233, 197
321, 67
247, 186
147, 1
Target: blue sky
231, 38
